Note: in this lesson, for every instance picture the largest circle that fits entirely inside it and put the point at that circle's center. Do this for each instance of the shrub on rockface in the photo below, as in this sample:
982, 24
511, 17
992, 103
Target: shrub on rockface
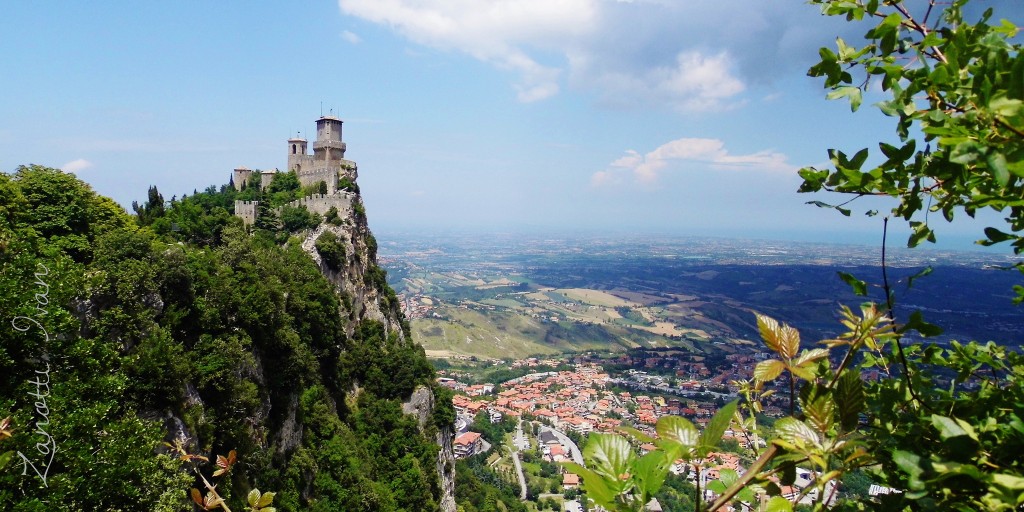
331, 250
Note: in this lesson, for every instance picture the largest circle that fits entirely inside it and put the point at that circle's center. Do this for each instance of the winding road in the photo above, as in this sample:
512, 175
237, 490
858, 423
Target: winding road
574, 451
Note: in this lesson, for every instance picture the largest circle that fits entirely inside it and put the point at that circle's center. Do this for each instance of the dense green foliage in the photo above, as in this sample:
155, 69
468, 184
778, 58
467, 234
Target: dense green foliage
444, 410
677, 494
63, 212
383, 364
479, 489
348, 185
493, 433
298, 218
47, 238
332, 216
946, 427
331, 250
230, 338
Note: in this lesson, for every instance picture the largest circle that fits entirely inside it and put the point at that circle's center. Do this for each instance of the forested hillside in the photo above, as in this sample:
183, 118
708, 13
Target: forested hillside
123, 333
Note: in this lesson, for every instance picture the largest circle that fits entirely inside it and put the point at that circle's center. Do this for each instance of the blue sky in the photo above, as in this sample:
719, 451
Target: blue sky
545, 115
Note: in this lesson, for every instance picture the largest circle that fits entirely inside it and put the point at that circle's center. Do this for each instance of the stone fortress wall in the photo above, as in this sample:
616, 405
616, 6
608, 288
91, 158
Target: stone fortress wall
320, 203
265, 178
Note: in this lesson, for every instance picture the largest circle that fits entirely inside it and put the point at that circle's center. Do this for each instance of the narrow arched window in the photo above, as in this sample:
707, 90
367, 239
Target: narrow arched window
293, 149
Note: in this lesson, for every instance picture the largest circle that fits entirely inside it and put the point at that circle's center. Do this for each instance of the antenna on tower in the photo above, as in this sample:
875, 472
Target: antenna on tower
321, 109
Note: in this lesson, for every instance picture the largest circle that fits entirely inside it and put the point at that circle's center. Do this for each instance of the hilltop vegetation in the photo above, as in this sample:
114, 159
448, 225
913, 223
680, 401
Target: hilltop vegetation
180, 323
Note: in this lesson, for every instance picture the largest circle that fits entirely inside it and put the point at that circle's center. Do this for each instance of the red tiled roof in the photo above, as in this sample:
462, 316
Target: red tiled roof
467, 438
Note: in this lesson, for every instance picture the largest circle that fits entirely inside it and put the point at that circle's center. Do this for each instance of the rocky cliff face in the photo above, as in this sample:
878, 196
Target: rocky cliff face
365, 296
361, 296
421, 405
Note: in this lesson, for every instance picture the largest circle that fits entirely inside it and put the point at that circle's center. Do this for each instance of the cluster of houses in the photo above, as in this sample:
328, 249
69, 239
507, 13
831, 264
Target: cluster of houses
417, 306
567, 400
575, 401
579, 401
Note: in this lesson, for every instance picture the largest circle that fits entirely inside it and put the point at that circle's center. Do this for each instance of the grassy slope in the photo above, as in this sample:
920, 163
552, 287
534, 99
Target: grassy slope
505, 334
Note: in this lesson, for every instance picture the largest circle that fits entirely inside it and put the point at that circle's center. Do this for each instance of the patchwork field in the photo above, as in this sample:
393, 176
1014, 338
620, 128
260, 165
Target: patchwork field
546, 320
498, 299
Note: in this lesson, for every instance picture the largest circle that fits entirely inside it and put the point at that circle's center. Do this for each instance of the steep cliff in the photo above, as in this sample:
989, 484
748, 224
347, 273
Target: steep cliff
422, 405
279, 340
367, 297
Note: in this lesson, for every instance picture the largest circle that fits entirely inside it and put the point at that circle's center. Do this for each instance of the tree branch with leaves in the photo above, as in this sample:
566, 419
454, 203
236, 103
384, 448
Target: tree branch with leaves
212, 500
956, 90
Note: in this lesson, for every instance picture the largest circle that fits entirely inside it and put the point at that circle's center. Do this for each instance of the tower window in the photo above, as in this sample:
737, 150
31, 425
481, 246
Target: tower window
293, 149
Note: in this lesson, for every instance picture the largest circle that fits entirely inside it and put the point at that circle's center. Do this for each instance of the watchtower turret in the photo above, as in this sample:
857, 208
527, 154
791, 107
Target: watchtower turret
240, 177
296, 150
328, 146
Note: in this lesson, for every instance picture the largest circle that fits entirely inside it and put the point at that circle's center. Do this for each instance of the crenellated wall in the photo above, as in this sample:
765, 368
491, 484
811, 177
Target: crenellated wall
314, 176
320, 203
247, 211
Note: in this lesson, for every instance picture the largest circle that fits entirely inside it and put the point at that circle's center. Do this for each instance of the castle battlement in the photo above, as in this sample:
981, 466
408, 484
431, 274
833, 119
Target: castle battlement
246, 210
321, 203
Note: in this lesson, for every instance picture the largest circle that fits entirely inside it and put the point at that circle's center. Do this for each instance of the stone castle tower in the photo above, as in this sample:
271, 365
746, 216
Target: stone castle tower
326, 164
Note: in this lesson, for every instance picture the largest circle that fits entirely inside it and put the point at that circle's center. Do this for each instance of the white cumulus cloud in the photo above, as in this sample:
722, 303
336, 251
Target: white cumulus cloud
76, 166
499, 32
695, 55
711, 153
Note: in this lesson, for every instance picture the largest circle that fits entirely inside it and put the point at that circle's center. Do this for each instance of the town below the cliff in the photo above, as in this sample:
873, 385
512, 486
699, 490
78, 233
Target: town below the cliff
539, 411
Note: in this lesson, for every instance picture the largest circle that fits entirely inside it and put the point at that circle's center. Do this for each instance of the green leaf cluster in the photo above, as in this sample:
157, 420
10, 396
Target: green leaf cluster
618, 479
940, 425
331, 249
956, 90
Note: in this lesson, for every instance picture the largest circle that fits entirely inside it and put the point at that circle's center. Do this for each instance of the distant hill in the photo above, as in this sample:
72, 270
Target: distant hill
546, 296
